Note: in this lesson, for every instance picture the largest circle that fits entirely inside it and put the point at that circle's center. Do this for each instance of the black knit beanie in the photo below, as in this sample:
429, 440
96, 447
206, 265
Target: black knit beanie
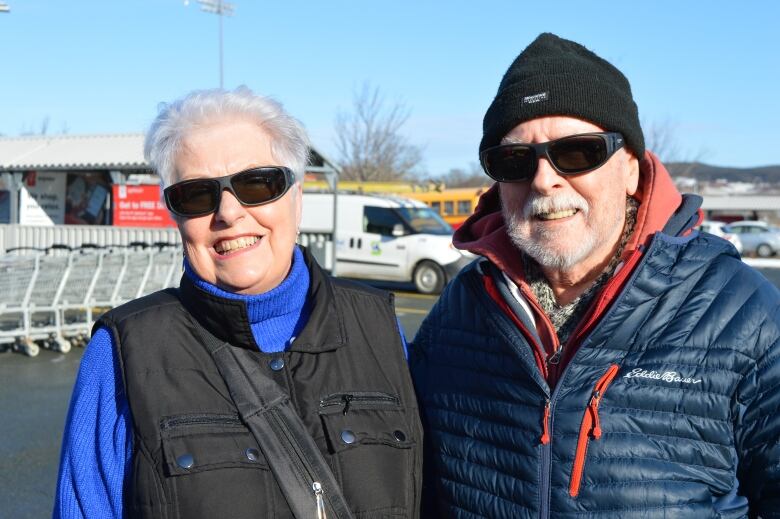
553, 76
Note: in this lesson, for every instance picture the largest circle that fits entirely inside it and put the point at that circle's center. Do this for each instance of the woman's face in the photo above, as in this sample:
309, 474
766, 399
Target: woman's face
244, 250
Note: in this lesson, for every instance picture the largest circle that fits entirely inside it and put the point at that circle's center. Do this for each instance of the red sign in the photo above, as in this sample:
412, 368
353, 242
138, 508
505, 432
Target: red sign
140, 206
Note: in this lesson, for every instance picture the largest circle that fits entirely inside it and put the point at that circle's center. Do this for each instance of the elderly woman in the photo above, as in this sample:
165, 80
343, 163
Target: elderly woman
260, 387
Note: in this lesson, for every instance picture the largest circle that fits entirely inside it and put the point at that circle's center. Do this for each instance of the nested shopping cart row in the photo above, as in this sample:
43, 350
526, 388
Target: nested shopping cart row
51, 297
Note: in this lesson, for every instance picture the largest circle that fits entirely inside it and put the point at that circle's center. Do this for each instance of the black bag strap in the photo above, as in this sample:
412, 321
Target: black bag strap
297, 464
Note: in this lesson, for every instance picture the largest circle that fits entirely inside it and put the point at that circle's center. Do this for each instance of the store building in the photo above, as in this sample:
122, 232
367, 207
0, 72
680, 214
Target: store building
88, 180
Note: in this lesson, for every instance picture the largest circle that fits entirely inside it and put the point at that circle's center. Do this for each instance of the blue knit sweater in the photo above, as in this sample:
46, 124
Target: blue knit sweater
97, 444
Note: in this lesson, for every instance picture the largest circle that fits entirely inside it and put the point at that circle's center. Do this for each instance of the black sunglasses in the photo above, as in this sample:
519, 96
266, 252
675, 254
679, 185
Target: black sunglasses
255, 186
569, 155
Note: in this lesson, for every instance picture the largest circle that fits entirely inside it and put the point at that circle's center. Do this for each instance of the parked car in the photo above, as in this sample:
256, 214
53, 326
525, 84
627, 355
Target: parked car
719, 229
386, 238
758, 238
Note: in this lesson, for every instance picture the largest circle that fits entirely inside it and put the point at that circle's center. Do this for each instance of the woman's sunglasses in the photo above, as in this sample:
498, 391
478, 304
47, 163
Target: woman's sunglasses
256, 186
570, 155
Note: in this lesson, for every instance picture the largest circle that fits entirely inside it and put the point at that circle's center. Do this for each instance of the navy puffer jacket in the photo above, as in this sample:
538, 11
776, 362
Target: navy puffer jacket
670, 407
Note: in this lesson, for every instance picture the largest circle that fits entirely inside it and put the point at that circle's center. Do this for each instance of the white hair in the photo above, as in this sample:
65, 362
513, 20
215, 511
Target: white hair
289, 142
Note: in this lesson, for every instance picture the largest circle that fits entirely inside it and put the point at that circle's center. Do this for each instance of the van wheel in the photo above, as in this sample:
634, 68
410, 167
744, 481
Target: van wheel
428, 277
764, 250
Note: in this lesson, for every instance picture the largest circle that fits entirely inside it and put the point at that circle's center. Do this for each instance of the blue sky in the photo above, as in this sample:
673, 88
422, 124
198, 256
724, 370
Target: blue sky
709, 69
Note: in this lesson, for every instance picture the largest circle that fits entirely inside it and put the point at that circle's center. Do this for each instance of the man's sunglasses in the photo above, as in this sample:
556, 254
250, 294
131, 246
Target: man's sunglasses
569, 155
256, 186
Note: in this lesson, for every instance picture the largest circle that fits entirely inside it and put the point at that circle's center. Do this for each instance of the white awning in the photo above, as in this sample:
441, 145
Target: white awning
41, 152
120, 151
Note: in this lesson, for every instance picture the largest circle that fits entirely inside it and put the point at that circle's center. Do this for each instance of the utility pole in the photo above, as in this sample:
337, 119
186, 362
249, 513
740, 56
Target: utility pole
220, 8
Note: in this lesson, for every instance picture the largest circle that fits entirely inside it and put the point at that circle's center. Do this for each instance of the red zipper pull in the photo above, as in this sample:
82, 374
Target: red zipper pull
594, 410
546, 423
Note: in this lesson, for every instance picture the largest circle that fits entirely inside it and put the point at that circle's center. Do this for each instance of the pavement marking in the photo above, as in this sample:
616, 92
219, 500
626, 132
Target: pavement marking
415, 295
418, 311
767, 263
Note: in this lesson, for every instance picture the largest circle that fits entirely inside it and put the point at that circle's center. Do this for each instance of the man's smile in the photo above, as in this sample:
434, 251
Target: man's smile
557, 215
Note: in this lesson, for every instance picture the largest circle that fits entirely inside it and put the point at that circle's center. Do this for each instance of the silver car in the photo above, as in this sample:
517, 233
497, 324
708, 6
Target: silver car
757, 237
719, 229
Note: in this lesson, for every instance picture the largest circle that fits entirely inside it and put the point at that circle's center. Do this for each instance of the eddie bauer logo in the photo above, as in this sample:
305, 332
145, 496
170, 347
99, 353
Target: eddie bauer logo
535, 98
666, 376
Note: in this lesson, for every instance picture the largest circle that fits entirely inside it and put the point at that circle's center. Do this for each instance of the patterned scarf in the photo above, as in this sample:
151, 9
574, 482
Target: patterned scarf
566, 318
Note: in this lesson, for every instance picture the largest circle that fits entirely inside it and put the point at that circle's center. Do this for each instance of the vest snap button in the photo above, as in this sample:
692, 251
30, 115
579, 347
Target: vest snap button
276, 364
399, 436
185, 461
252, 454
348, 436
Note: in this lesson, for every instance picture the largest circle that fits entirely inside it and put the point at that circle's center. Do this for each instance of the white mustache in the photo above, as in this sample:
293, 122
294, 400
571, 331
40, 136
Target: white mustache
538, 204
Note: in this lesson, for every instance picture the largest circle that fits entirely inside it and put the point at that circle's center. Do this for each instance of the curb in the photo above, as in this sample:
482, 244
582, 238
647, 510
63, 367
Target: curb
766, 263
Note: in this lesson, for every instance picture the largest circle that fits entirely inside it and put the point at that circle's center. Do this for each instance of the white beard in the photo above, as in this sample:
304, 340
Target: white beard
532, 238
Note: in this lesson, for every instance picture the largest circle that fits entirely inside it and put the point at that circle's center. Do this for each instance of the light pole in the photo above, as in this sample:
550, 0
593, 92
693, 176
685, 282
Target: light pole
221, 9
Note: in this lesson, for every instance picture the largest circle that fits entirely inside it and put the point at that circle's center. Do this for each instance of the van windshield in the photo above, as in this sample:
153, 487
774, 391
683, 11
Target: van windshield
424, 220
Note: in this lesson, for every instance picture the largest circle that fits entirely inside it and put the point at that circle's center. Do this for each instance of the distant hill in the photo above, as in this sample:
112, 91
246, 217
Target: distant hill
705, 172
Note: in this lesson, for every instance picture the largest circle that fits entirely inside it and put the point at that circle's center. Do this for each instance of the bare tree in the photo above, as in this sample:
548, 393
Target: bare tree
369, 140
473, 176
661, 138
29, 130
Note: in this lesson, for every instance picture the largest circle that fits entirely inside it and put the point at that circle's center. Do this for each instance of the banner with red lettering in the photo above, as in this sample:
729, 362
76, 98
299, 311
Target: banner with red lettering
140, 206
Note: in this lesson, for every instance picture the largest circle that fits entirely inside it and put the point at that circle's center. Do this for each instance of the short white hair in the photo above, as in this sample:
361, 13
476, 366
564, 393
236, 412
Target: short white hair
289, 142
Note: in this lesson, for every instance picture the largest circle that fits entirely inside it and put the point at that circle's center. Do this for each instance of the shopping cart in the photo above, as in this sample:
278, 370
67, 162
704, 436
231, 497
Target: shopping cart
73, 304
49, 297
42, 318
17, 276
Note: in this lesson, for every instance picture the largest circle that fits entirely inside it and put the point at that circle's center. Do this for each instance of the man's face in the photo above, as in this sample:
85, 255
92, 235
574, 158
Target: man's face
565, 222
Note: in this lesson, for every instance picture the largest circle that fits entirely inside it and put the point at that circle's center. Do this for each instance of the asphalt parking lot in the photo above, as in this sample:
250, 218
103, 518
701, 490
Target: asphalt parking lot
34, 395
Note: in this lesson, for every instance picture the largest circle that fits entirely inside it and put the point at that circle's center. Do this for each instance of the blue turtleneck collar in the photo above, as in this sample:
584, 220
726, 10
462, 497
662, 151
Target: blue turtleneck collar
276, 316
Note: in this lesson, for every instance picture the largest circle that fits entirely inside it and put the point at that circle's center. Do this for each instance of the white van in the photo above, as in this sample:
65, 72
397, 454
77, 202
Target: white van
386, 238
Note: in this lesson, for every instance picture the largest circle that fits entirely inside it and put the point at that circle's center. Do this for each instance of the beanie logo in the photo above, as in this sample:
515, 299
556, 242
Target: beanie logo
536, 98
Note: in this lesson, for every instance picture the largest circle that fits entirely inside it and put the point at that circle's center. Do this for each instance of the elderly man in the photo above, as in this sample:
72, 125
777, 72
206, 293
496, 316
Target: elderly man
602, 358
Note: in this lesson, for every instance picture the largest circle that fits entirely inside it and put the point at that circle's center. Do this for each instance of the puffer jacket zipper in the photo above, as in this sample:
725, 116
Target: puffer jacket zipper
546, 423
590, 427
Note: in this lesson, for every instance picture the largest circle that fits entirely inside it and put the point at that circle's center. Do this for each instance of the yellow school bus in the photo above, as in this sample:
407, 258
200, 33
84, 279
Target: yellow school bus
454, 205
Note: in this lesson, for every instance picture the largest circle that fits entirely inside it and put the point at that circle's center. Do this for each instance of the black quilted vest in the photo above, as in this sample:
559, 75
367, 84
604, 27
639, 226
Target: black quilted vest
346, 375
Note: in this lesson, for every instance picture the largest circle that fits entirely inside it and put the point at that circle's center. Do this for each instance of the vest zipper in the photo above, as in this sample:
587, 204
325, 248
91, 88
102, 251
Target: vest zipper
300, 463
200, 419
591, 426
359, 399
317, 488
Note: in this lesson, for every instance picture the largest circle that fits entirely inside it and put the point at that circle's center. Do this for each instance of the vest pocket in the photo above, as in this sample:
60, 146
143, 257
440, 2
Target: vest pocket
197, 443
373, 444
212, 464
